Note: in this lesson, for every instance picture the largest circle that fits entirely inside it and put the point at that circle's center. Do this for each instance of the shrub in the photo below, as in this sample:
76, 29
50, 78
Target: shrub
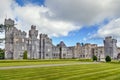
25, 55
2, 54
108, 59
94, 58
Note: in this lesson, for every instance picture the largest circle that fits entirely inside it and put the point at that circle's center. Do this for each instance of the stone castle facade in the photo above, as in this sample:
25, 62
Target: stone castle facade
110, 47
39, 46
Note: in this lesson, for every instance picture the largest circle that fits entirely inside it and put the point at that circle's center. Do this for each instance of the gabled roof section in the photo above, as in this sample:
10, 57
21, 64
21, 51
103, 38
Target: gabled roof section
62, 44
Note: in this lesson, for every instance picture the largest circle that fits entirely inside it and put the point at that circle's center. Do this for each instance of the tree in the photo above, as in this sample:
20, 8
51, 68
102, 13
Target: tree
108, 59
2, 28
94, 58
25, 55
1, 54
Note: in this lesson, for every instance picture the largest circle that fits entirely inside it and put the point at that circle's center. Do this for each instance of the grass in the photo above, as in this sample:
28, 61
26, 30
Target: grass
39, 62
102, 71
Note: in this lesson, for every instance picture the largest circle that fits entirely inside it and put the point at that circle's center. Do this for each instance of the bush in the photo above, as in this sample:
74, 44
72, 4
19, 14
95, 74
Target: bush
108, 59
2, 54
94, 58
25, 55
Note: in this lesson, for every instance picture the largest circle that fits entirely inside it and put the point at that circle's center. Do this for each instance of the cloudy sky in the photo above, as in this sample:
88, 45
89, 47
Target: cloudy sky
71, 21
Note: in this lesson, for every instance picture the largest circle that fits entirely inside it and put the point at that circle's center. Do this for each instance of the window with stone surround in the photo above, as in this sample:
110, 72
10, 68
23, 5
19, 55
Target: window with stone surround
22, 47
22, 40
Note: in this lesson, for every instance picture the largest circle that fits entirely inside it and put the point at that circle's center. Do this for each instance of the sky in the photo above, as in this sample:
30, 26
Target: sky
71, 21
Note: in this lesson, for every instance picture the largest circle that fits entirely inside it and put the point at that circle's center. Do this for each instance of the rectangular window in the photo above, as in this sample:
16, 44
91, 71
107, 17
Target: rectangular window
48, 50
22, 47
33, 47
29, 42
22, 40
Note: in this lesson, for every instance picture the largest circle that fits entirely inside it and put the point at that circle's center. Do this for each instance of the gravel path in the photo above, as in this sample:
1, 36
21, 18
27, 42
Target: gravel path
46, 65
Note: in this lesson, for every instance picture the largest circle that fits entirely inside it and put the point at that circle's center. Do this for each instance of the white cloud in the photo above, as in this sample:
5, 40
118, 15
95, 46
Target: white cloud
36, 15
88, 12
111, 29
58, 17
32, 14
84, 11
6, 10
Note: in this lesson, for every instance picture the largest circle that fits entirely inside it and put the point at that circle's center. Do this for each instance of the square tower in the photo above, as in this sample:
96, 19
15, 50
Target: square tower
9, 25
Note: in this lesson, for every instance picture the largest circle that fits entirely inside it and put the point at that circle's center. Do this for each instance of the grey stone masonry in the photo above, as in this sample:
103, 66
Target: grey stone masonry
33, 43
40, 46
110, 47
9, 38
45, 48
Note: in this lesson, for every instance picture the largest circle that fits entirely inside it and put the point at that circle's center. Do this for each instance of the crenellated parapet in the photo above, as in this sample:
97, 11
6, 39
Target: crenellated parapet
33, 33
9, 23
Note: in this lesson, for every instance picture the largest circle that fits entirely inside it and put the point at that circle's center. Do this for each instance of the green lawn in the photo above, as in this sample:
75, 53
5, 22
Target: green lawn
101, 71
39, 62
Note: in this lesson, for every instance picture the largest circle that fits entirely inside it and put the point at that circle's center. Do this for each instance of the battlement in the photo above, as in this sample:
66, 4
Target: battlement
78, 44
114, 40
33, 27
108, 37
9, 22
43, 35
33, 32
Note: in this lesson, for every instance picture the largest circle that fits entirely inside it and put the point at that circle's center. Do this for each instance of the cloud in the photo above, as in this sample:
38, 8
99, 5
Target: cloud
38, 15
85, 12
111, 29
32, 14
6, 10
89, 12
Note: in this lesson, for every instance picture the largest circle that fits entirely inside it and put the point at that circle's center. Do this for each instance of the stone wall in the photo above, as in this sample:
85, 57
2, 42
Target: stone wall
40, 47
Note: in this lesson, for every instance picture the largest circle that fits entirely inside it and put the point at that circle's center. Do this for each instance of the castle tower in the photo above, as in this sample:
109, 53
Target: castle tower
45, 47
19, 42
9, 38
110, 47
78, 51
33, 43
15, 41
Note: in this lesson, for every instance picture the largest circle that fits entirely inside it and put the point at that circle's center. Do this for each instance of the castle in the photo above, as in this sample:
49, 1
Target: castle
39, 46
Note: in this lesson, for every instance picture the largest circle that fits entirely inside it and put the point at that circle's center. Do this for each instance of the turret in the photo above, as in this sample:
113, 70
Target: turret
9, 23
33, 33
110, 47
